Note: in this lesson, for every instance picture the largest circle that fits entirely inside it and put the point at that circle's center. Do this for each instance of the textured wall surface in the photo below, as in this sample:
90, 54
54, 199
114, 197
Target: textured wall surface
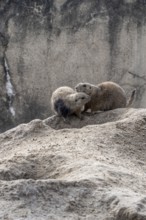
45, 44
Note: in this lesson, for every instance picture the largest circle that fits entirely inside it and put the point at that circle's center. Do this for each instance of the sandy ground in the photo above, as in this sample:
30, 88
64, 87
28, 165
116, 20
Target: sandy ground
89, 169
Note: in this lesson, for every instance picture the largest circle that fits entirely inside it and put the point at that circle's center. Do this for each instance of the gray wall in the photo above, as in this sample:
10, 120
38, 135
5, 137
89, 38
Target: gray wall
51, 43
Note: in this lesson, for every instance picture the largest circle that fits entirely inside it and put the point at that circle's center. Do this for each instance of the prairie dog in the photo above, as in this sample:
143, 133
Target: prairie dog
65, 101
105, 96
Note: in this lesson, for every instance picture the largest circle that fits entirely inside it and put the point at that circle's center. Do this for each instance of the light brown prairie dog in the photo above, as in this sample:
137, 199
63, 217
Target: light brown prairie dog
105, 96
65, 101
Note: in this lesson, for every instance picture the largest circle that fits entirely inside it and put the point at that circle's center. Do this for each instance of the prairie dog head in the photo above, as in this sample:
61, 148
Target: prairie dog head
78, 99
87, 88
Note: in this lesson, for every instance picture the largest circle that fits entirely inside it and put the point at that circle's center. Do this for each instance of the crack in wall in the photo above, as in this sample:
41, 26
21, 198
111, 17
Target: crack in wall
136, 75
6, 13
9, 87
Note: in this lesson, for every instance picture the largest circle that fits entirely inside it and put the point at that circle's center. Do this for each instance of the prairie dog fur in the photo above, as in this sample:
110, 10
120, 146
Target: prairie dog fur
65, 101
105, 96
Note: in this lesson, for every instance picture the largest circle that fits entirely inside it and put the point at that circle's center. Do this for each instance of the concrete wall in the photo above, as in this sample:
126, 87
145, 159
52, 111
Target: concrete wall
51, 43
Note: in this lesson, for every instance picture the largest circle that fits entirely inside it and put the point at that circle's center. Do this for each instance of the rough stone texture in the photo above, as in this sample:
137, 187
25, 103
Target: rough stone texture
49, 43
94, 170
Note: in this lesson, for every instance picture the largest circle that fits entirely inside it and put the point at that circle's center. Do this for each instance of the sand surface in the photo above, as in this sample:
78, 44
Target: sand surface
89, 169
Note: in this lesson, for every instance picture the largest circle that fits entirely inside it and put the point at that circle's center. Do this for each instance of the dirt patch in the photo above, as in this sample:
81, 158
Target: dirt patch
89, 169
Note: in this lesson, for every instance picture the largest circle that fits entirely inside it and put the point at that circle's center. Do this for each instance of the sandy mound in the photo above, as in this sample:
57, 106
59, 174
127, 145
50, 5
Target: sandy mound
89, 169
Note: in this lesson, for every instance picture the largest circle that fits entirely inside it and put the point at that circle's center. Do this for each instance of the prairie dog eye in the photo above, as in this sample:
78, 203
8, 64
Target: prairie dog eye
76, 100
83, 98
84, 85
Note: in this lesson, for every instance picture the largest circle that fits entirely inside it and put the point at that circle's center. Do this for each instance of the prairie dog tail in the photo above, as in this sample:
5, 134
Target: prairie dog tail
130, 101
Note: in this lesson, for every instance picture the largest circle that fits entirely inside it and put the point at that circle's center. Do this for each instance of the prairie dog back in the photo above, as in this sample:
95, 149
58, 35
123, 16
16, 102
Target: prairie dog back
104, 96
60, 93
